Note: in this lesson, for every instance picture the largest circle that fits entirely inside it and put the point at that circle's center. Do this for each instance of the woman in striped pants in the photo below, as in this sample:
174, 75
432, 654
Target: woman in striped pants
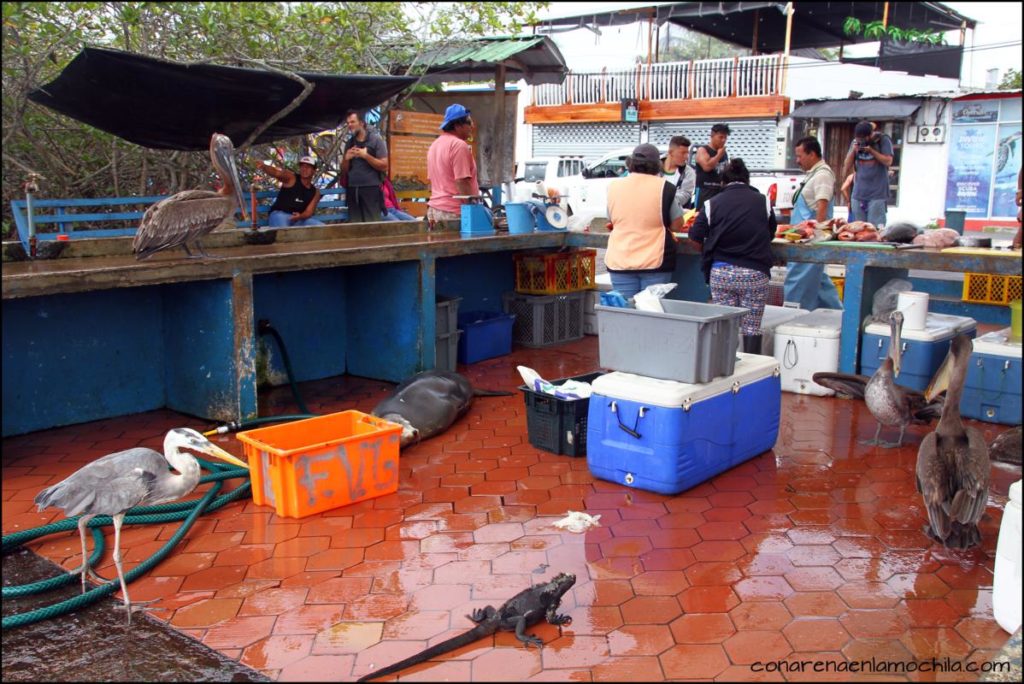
735, 230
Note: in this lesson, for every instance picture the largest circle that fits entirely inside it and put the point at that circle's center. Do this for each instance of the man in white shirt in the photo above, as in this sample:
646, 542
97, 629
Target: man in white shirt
677, 170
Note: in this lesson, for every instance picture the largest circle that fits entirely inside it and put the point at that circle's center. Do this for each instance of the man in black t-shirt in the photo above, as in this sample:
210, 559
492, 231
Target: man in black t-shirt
297, 200
711, 160
365, 159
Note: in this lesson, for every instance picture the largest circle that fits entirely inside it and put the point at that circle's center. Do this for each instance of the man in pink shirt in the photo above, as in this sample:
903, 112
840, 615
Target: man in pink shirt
451, 169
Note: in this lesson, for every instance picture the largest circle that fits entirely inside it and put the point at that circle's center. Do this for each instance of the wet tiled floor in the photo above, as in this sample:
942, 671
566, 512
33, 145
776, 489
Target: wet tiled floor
804, 558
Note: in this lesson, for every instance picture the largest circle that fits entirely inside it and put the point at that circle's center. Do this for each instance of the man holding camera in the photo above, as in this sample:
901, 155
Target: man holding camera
870, 156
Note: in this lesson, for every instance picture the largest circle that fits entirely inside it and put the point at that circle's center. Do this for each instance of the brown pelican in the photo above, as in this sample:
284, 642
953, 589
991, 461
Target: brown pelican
120, 481
952, 461
1006, 447
887, 401
189, 215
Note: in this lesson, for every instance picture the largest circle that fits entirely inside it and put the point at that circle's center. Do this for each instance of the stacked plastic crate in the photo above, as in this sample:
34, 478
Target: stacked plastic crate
550, 297
446, 341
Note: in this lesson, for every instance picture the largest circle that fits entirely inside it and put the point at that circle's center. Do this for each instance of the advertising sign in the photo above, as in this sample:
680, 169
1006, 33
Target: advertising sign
969, 174
976, 111
1007, 163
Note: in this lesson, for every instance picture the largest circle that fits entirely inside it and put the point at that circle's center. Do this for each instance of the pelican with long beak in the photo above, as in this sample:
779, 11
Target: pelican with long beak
887, 401
952, 461
185, 217
118, 482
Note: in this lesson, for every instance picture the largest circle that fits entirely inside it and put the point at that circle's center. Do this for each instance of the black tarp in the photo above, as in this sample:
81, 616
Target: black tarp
174, 106
889, 108
918, 59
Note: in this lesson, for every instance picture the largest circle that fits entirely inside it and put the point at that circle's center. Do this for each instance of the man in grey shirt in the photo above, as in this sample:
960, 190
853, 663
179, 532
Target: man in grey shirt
365, 159
677, 171
870, 156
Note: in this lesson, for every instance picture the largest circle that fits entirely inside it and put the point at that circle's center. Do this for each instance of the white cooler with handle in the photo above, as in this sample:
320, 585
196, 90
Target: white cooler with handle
808, 345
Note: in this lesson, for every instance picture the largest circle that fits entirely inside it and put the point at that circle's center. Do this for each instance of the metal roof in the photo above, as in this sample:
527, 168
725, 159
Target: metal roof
815, 24
534, 58
867, 108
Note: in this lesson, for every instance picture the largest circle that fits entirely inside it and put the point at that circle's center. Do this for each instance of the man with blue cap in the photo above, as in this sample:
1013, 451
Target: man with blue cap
451, 169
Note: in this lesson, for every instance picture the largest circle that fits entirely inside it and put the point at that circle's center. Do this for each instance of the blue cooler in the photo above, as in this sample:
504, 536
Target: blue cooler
665, 436
923, 350
476, 220
993, 386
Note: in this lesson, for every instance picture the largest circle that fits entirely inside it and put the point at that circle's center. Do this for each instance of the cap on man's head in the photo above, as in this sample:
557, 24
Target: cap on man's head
453, 113
863, 129
646, 152
307, 160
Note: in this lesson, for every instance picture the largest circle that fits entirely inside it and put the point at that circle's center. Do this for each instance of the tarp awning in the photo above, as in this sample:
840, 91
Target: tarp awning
815, 24
169, 105
534, 58
894, 108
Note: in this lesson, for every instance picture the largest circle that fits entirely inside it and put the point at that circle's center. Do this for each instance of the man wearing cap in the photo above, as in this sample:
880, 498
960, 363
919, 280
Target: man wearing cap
298, 197
870, 156
643, 214
451, 169
364, 162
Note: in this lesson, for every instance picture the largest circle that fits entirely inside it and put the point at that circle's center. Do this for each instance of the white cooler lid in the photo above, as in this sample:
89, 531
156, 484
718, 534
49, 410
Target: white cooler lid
997, 343
823, 323
671, 394
776, 315
937, 327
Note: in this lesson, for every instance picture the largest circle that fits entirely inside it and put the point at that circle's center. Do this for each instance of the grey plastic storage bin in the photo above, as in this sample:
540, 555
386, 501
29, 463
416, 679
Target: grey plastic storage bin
690, 342
447, 317
543, 320
446, 351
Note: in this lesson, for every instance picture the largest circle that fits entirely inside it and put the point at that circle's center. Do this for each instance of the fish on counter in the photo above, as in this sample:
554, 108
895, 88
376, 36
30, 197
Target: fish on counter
858, 231
938, 238
901, 231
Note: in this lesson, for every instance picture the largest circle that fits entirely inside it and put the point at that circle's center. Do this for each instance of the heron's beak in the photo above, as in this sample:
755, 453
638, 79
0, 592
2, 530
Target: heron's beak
215, 451
222, 153
896, 341
940, 382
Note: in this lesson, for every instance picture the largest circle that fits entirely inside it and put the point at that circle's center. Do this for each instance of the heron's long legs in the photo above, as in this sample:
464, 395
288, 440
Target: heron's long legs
83, 524
128, 606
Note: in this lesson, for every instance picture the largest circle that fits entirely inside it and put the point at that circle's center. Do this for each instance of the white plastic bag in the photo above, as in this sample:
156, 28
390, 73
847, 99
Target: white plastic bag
650, 298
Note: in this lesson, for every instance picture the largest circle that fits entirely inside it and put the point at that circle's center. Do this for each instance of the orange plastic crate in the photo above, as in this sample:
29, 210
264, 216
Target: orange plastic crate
313, 465
986, 288
555, 272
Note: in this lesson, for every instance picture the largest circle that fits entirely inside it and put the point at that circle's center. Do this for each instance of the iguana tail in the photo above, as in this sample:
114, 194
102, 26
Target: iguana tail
446, 646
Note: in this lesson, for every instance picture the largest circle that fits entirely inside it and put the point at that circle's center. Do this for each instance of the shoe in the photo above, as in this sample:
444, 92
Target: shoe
751, 344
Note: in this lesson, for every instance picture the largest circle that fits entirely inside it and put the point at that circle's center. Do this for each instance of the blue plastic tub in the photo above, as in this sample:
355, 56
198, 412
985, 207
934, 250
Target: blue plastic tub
666, 437
476, 220
520, 218
485, 334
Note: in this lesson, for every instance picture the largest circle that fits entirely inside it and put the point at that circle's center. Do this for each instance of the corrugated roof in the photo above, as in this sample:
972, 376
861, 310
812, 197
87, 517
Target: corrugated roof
491, 50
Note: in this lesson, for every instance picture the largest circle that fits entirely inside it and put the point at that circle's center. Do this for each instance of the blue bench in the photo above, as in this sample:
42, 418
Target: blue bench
120, 216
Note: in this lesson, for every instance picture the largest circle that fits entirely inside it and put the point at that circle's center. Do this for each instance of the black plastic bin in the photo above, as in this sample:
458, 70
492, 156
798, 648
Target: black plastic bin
558, 425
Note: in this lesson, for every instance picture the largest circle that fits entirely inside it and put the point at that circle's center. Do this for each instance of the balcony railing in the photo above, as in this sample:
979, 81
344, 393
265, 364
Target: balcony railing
756, 76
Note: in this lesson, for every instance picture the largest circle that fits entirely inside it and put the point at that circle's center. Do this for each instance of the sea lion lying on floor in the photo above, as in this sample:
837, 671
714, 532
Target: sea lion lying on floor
429, 402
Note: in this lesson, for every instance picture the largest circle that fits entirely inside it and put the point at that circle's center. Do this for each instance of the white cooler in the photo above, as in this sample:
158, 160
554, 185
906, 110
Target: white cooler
808, 345
774, 316
1006, 583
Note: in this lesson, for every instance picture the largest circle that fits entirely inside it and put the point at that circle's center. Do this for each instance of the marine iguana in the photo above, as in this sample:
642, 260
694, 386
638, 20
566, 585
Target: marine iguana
525, 609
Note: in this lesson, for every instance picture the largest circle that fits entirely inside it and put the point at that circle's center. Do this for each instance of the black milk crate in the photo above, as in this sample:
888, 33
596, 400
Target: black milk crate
543, 320
447, 317
558, 425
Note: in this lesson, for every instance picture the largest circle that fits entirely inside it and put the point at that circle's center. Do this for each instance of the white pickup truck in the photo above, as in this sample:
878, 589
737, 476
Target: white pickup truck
588, 191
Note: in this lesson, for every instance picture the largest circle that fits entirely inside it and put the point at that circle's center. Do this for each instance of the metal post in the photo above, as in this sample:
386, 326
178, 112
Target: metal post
499, 135
31, 186
785, 52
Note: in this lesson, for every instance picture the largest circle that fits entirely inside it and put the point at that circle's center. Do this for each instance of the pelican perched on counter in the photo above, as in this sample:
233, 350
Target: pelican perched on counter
189, 215
952, 461
120, 481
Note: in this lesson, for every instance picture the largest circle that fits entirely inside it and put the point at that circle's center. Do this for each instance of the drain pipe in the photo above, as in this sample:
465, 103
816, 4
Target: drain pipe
252, 202
31, 186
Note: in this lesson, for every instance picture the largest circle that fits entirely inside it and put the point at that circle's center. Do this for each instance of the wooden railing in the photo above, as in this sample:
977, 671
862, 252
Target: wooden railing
756, 76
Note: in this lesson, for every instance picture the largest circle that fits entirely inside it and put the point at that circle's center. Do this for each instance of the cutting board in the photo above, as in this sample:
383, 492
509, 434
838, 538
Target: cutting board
983, 251
869, 245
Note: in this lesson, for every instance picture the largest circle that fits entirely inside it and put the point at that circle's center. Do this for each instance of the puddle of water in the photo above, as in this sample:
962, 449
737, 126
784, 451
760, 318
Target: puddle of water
95, 644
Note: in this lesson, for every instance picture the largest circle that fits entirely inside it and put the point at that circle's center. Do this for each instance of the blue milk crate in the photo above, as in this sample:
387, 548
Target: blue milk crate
665, 436
923, 350
993, 386
476, 220
485, 334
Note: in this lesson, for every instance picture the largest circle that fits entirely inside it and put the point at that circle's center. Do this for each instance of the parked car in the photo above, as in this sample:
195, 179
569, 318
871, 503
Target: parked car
588, 191
539, 173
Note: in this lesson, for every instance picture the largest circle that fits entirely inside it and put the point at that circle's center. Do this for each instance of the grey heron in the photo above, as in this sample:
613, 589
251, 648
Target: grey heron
117, 482
189, 215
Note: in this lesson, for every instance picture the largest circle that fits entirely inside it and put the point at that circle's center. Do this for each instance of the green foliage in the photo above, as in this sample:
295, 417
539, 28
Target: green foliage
1011, 80
876, 30
41, 38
